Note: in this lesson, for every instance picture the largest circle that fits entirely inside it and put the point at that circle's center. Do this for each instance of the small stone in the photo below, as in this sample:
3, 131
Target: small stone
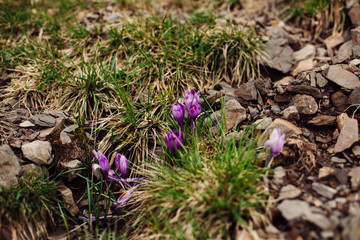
321, 120
354, 97
339, 99
254, 112
46, 132
304, 89
289, 191
291, 113
355, 36
320, 80
43, 120
325, 172
294, 209
305, 104
275, 108
320, 221
307, 52
279, 175
263, 85
262, 124
327, 234
16, 116
356, 50
341, 175
72, 168
342, 77
337, 160
344, 53
340, 120
356, 150
247, 91
321, 52
9, 166
286, 128
284, 81
355, 178
15, 143
351, 227
64, 138
26, 124
278, 55
323, 190
38, 151
304, 65
349, 134
57, 114
68, 198
71, 128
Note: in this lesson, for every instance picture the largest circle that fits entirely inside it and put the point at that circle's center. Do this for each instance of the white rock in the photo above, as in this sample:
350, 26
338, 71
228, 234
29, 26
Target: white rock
305, 53
26, 124
38, 151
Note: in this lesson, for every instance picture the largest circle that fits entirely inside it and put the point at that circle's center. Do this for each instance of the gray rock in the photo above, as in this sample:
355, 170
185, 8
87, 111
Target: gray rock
254, 112
26, 124
64, 138
305, 104
320, 220
356, 150
57, 114
320, 80
9, 166
71, 128
291, 113
321, 52
278, 55
324, 190
247, 91
351, 227
355, 178
304, 65
294, 209
289, 191
337, 160
344, 53
279, 175
354, 97
342, 77
307, 52
38, 151
262, 124
46, 132
43, 120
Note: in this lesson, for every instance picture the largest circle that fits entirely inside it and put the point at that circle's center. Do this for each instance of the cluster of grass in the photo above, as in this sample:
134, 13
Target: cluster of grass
30, 207
325, 13
210, 191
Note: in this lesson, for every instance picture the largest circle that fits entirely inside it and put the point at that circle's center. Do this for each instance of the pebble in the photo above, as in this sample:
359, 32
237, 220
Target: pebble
355, 178
321, 120
289, 191
339, 99
262, 124
43, 120
354, 97
307, 52
293, 209
356, 150
278, 55
320, 80
349, 134
26, 124
343, 53
325, 172
304, 65
342, 77
291, 113
247, 91
323, 190
338, 160
286, 128
305, 104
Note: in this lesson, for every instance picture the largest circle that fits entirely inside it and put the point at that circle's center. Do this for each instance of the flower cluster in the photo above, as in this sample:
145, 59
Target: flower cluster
122, 164
174, 138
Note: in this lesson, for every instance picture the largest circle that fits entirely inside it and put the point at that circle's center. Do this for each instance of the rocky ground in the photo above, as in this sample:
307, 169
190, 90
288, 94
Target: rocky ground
310, 90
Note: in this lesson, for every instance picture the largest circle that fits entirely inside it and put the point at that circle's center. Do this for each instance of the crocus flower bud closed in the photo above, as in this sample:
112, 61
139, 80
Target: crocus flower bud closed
122, 164
194, 111
178, 113
174, 140
276, 142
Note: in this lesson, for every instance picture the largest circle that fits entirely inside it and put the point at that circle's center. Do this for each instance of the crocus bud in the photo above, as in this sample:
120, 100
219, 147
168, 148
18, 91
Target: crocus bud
178, 113
122, 164
276, 142
191, 98
174, 140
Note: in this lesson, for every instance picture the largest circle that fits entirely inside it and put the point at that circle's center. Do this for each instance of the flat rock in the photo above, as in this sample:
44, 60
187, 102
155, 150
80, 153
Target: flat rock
325, 172
304, 65
320, 220
305, 104
262, 124
9, 166
285, 81
351, 227
46, 132
286, 128
291, 113
344, 53
355, 178
320, 80
68, 198
71, 128
354, 14
38, 151
43, 120
278, 55
16, 116
65, 138
26, 124
349, 134
289, 191
294, 209
355, 36
247, 91
342, 77
335, 159
354, 97
304, 89
307, 52
323, 190
356, 150
57, 113
321, 120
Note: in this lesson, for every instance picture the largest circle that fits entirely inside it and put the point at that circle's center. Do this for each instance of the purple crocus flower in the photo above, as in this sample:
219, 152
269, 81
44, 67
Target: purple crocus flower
191, 98
122, 164
174, 140
179, 114
276, 142
194, 111
104, 166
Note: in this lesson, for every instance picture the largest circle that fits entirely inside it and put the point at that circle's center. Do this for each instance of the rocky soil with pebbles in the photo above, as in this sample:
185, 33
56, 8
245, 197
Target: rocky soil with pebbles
312, 93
